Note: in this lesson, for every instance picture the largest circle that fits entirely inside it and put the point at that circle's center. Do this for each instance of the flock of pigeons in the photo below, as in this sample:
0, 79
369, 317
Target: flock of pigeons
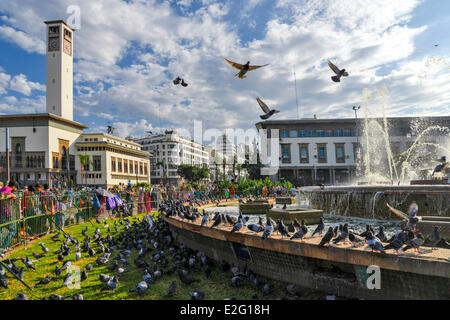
242, 74
405, 239
145, 243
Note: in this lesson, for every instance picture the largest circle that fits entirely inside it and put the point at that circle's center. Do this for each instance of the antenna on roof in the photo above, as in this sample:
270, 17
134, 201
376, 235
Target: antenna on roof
296, 96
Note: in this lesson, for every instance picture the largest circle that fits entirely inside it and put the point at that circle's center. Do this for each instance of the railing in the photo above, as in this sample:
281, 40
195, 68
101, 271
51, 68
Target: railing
28, 217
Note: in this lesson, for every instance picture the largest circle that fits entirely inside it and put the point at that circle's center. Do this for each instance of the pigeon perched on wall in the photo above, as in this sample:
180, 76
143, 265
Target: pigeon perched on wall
374, 243
267, 230
355, 239
243, 69
434, 238
320, 227
267, 112
415, 243
380, 235
339, 73
255, 227
327, 237
343, 235
301, 232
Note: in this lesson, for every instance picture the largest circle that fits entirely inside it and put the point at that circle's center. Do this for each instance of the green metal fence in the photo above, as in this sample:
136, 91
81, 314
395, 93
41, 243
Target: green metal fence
29, 216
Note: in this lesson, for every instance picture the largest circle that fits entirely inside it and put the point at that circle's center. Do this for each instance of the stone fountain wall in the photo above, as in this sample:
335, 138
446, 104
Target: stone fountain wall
370, 202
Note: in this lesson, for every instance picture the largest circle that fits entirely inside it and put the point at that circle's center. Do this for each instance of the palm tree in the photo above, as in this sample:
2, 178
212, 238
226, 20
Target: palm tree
239, 168
224, 163
234, 167
85, 160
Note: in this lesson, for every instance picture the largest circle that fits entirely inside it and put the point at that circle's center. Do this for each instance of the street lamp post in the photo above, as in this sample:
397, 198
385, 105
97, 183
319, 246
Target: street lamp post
356, 108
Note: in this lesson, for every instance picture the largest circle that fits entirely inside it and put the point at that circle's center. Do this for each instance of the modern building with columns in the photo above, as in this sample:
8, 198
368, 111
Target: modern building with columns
325, 151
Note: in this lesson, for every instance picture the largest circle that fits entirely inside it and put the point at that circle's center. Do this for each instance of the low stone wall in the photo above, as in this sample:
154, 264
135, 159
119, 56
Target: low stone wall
342, 271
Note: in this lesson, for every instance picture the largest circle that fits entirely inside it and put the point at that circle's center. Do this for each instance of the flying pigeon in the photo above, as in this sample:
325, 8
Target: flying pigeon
339, 73
181, 81
111, 129
243, 69
265, 108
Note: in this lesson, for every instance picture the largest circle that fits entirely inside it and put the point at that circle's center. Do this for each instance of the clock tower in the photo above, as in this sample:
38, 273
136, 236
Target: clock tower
60, 69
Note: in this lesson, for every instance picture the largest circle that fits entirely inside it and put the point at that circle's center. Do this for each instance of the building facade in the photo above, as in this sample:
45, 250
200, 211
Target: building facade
170, 150
46, 147
42, 145
227, 157
327, 151
112, 161
41, 148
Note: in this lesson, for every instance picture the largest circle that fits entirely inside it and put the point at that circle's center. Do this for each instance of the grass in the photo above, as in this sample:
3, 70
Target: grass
216, 287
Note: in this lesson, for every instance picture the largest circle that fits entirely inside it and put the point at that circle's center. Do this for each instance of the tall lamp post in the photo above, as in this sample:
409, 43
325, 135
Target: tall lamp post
356, 108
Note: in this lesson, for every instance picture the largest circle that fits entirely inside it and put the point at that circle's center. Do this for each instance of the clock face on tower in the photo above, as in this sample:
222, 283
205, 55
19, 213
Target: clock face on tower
53, 44
68, 47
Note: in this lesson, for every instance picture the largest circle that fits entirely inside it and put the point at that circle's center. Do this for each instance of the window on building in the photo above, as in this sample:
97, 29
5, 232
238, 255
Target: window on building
136, 167
145, 169
320, 133
286, 153
131, 166
302, 133
304, 154
284, 134
125, 165
311, 133
322, 152
293, 134
347, 132
340, 153
113, 164
119, 165
64, 158
338, 133
97, 162
329, 133
141, 169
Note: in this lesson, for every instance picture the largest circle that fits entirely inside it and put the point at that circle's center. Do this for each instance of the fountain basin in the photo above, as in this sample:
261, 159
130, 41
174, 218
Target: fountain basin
284, 200
256, 207
370, 201
311, 216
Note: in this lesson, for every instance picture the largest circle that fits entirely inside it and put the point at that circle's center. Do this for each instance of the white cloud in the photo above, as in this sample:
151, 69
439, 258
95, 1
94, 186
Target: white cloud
22, 39
4, 81
20, 84
129, 52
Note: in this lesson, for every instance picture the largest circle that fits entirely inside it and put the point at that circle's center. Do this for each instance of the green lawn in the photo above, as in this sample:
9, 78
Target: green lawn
216, 287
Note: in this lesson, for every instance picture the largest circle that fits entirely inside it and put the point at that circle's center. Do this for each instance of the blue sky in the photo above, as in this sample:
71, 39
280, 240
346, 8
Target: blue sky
127, 53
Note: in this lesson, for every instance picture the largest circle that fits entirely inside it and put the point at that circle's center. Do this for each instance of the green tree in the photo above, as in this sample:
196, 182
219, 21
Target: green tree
193, 173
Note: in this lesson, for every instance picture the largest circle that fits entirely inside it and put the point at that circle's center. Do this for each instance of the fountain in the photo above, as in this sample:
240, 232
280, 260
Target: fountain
388, 175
